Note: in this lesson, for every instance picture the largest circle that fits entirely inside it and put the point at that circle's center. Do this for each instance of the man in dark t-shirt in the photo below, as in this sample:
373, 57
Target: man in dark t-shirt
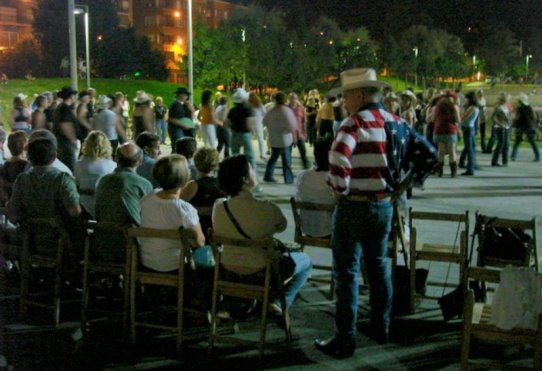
66, 128
180, 109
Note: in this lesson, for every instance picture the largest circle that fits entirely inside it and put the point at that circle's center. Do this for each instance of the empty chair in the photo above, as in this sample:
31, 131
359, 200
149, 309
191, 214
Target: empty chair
449, 248
92, 265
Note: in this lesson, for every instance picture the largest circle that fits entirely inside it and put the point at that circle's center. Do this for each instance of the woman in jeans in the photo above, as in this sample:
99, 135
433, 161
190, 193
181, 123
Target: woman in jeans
257, 219
468, 126
501, 127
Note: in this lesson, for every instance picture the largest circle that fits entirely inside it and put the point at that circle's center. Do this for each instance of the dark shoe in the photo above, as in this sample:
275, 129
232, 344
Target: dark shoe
336, 348
453, 169
440, 169
468, 173
270, 180
496, 165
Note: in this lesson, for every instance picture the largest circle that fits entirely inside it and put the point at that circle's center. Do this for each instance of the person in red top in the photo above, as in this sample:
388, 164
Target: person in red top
445, 132
370, 151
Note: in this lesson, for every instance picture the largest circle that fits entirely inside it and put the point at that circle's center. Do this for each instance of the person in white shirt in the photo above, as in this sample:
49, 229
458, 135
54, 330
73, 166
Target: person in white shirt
165, 210
311, 186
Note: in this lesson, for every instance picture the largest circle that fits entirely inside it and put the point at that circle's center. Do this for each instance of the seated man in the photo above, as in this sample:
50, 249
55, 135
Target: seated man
311, 186
44, 192
187, 147
150, 145
117, 201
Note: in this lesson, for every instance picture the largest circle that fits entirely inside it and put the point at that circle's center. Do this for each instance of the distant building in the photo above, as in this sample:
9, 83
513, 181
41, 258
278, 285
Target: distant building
15, 22
162, 21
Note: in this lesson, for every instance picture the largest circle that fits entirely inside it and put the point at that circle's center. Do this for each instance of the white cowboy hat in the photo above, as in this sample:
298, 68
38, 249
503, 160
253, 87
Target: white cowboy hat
142, 97
240, 95
22, 96
104, 102
358, 78
524, 99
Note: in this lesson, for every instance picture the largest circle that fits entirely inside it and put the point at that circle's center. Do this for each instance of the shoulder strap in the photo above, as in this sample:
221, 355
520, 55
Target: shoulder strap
234, 221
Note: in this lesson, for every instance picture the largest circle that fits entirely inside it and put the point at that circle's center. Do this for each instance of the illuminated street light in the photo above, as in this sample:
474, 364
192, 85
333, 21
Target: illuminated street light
527, 58
415, 50
83, 9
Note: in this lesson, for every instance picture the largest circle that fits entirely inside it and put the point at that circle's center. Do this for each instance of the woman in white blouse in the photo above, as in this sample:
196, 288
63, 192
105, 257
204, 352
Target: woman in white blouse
164, 209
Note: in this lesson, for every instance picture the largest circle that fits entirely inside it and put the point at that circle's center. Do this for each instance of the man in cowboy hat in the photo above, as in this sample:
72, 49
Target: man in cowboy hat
66, 127
181, 114
109, 122
363, 176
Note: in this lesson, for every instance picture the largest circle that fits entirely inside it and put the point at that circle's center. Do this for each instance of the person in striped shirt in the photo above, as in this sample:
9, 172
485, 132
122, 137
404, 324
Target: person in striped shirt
371, 148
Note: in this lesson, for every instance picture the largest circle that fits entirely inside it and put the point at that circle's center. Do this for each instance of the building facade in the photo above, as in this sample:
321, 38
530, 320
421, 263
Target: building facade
16, 18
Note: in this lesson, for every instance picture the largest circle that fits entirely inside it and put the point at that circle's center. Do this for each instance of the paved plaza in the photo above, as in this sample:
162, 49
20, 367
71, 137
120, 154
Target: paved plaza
420, 341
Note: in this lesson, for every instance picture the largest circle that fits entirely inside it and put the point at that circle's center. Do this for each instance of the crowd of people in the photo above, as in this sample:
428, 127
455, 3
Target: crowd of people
71, 157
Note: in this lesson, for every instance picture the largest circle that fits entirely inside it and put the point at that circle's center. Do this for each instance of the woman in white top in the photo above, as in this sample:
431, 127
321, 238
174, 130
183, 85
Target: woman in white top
94, 164
165, 210
259, 112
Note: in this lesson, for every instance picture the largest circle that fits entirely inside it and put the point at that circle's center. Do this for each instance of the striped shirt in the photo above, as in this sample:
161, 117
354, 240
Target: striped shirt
358, 161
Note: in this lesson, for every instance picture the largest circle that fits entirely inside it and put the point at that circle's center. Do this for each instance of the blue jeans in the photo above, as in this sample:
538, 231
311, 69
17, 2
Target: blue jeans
302, 270
242, 139
286, 158
161, 129
175, 133
303, 153
469, 150
503, 143
531, 138
360, 231
223, 137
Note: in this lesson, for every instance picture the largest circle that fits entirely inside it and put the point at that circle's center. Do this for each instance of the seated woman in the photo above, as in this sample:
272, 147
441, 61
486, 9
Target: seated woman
311, 186
14, 166
256, 218
94, 163
203, 192
164, 209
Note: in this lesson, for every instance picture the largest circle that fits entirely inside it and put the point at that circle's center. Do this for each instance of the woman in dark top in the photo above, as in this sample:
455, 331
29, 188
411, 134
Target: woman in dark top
14, 166
203, 191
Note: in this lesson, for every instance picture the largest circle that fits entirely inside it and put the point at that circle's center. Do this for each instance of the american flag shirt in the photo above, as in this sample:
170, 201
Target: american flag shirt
374, 150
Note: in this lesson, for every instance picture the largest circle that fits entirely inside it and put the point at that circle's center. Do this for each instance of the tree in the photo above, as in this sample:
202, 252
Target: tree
500, 51
115, 51
22, 60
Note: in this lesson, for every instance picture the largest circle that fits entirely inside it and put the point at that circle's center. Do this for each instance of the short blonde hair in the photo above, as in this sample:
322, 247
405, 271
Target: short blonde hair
97, 146
206, 159
171, 172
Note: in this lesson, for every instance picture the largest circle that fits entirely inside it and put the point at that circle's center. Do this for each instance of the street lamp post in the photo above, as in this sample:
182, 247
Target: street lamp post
415, 50
190, 52
78, 10
529, 56
243, 38
73, 44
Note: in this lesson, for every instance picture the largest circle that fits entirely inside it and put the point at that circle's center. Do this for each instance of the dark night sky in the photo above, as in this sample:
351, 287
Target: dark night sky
381, 17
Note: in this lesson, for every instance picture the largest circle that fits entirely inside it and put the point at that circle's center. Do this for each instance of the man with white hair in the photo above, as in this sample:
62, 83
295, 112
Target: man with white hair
371, 148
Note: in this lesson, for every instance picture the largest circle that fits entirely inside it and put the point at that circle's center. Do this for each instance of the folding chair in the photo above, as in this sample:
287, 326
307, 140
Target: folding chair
142, 276
254, 255
477, 325
30, 259
92, 265
454, 251
304, 240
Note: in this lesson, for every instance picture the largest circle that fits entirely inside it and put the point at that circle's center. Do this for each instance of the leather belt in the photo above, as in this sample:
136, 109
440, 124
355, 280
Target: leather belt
362, 198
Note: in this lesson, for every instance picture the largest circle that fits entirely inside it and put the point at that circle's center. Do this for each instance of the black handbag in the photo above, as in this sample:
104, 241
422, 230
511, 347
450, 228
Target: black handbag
286, 264
502, 242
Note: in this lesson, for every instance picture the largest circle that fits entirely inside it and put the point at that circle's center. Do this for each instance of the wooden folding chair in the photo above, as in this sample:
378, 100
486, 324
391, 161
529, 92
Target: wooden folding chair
305, 240
92, 265
453, 251
139, 275
8, 249
30, 259
254, 254
477, 325
527, 226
